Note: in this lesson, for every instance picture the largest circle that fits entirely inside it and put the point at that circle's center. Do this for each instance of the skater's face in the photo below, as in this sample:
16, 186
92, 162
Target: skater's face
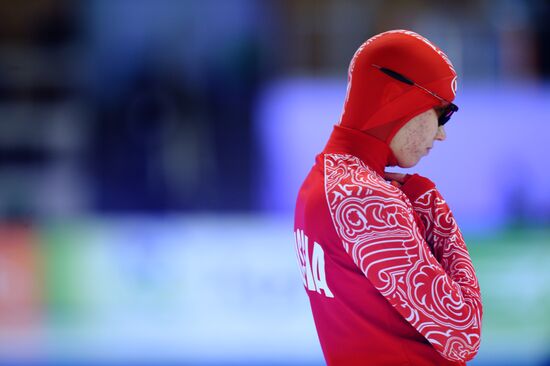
415, 139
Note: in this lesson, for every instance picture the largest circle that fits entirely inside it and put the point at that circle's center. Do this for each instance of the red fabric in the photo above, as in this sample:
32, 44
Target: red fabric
416, 185
380, 105
389, 277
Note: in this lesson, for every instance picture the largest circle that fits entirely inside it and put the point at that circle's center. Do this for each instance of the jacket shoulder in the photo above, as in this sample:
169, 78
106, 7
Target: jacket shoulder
350, 176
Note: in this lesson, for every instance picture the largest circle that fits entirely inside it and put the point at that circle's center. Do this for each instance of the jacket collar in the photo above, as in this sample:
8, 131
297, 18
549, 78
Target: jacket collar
373, 152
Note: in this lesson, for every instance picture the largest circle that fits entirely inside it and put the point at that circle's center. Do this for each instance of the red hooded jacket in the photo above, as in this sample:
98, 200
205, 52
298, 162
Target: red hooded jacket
386, 269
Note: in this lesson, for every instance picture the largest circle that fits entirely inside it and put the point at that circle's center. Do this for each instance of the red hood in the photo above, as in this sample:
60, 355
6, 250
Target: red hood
379, 105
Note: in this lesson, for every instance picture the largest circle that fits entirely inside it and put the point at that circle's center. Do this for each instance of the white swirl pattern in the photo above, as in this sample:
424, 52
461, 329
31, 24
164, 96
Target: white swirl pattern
437, 293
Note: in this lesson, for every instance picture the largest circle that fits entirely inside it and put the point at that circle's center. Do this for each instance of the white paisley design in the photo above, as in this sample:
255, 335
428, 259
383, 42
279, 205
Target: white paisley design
437, 293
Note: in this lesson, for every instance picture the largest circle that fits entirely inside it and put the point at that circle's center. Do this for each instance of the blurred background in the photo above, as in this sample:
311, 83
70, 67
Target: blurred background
151, 152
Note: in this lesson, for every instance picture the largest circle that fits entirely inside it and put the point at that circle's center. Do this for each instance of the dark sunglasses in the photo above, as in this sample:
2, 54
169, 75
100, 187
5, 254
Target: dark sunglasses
446, 113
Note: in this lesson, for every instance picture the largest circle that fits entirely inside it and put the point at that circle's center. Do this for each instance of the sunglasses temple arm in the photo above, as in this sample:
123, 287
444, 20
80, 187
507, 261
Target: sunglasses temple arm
431, 92
405, 80
394, 75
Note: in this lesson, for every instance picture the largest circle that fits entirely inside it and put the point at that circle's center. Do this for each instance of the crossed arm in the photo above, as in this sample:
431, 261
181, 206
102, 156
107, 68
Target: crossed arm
437, 293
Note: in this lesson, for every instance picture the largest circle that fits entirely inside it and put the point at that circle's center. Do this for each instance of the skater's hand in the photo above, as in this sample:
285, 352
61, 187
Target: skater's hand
396, 179
412, 185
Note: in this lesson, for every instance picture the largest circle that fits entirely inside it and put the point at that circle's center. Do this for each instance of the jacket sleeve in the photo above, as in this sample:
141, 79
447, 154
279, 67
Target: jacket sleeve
441, 230
375, 222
